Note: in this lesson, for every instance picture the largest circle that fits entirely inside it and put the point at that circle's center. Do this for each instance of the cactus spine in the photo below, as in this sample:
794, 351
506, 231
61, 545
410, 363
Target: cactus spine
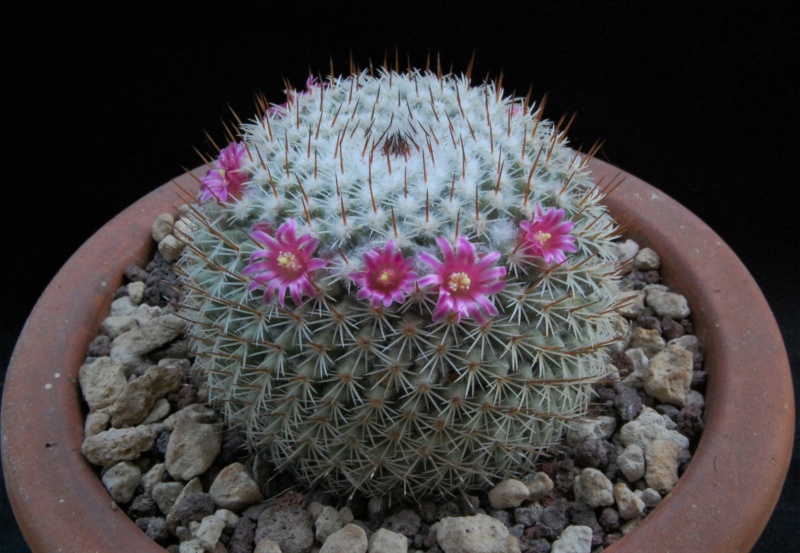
400, 282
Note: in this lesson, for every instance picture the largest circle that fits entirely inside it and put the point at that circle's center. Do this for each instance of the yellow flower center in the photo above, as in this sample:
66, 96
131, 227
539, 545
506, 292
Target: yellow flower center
543, 237
458, 282
386, 276
288, 260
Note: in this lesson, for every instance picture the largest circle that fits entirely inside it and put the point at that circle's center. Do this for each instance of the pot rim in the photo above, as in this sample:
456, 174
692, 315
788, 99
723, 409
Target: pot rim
721, 503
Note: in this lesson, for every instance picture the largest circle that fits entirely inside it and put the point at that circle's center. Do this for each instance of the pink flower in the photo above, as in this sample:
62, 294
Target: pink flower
547, 235
227, 177
284, 263
291, 95
464, 281
387, 276
311, 84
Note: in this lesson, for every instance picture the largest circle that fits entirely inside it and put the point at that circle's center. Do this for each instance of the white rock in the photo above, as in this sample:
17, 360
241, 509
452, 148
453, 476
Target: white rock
508, 493
621, 329
192, 448
667, 304
625, 251
386, 541
121, 481
631, 462
574, 539
136, 400
116, 326
633, 308
198, 412
648, 340
649, 496
687, 341
669, 375
184, 228
162, 227
628, 505
102, 381
181, 365
210, 530
611, 372
95, 423
230, 518
475, 534
315, 508
327, 523
346, 515
693, 397
234, 488
648, 426
136, 292
267, 546
640, 361
581, 430
350, 539
118, 444
146, 313
594, 488
661, 460
121, 307
626, 528
153, 477
160, 410
165, 494
192, 546
647, 259
539, 485
154, 334
170, 248
194, 526
130, 348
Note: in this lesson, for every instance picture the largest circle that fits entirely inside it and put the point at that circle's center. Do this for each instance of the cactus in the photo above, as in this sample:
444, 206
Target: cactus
399, 282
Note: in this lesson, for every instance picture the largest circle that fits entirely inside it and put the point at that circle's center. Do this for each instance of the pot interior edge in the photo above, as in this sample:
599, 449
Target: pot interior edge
740, 349
83, 291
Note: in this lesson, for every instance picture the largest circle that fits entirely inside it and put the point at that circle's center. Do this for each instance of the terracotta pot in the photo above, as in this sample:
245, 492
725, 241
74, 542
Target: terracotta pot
720, 504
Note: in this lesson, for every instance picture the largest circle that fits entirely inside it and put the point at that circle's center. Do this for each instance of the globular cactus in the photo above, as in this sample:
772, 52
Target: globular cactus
401, 282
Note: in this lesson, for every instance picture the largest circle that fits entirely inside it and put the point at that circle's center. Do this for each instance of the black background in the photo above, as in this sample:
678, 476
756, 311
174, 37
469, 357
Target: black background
697, 98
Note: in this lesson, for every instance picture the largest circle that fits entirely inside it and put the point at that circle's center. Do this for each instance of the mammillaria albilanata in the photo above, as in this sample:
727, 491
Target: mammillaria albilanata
400, 282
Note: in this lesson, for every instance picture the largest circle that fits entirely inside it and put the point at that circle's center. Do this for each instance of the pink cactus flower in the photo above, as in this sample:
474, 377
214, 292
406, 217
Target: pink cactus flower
387, 276
547, 235
226, 178
285, 263
311, 84
291, 95
465, 282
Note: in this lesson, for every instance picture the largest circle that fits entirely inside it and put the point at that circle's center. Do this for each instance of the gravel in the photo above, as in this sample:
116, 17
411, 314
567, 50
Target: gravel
187, 481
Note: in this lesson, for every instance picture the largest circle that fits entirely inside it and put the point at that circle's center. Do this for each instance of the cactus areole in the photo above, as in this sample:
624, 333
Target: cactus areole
399, 282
